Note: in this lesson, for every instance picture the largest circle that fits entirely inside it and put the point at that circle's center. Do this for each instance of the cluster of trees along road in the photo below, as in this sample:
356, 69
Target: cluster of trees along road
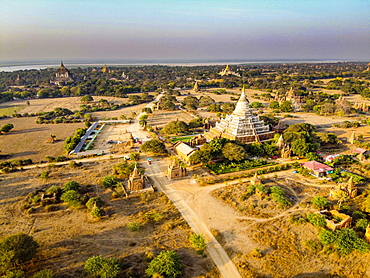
279, 77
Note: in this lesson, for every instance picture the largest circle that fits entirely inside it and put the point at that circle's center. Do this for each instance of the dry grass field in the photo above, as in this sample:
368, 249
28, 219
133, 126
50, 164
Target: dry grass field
68, 237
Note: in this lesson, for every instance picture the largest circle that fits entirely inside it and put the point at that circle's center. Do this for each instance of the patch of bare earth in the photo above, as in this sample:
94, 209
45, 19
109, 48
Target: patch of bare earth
68, 237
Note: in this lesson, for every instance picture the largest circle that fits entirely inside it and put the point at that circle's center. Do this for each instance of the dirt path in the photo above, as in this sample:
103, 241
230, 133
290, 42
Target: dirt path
218, 254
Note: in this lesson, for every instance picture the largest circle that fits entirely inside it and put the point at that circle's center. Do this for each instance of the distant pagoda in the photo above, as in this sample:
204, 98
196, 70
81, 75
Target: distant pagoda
241, 125
62, 75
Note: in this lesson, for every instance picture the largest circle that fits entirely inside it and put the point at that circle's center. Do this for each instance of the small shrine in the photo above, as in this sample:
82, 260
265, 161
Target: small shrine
130, 142
176, 171
255, 180
345, 189
352, 138
62, 75
136, 181
279, 128
284, 149
196, 87
197, 140
227, 71
106, 69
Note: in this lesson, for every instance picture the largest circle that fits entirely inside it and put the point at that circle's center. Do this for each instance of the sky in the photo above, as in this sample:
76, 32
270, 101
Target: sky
163, 30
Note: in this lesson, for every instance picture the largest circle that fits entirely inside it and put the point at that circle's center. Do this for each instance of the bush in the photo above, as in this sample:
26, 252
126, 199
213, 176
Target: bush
314, 245
71, 185
94, 201
319, 202
17, 249
110, 181
167, 263
72, 198
14, 274
198, 242
316, 219
45, 273
53, 190
345, 240
134, 226
105, 268
97, 212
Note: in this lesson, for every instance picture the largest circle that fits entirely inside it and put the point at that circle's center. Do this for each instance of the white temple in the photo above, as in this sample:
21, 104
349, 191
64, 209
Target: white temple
241, 125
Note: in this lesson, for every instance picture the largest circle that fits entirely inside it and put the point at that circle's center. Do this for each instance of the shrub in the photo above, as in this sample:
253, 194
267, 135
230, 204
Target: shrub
71, 185
53, 190
134, 226
314, 245
94, 201
319, 202
256, 253
45, 273
110, 181
45, 175
198, 242
362, 223
154, 215
14, 274
97, 212
17, 249
105, 268
316, 219
72, 197
167, 263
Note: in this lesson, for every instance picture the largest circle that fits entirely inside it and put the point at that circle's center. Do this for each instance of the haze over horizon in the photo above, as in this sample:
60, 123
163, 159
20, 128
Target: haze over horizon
187, 30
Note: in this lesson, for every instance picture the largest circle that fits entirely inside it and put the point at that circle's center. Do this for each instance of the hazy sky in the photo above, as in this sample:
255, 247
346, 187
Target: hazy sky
184, 29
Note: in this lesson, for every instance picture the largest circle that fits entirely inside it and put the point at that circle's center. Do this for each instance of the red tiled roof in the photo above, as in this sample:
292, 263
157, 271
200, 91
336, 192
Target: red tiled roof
317, 166
359, 150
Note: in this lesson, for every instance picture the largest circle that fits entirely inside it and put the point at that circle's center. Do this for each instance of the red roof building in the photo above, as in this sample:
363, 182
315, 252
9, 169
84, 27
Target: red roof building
318, 169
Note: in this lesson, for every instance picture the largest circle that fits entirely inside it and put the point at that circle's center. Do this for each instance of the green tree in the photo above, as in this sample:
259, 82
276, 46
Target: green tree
94, 202
134, 156
86, 99
45, 175
104, 268
17, 249
167, 263
203, 155
319, 202
147, 110
110, 181
6, 128
256, 104
228, 107
72, 197
274, 104
71, 185
300, 147
316, 219
313, 156
286, 106
175, 127
198, 242
154, 146
233, 152
124, 169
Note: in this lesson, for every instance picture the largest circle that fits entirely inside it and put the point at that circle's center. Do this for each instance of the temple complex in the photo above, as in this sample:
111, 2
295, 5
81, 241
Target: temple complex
241, 125
227, 71
62, 75
175, 170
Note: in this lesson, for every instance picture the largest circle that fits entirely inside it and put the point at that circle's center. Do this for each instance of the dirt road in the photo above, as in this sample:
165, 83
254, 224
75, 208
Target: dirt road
218, 254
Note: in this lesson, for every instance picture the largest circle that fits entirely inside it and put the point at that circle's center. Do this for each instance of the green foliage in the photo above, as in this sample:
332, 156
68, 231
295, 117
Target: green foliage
105, 268
229, 167
154, 215
154, 146
286, 106
167, 263
17, 249
316, 219
71, 185
147, 110
86, 99
233, 152
94, 201
123, 169
53, 190
97, 212
256, 104
6, 128
278, 195
362, 223
201, 156
313, 156
345, 240
134, 226
45, 273
175, 127
72, 197
194, 123
110, 181
134, 156
274, 104
14, 274
44, 175
319, 202
198, 242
